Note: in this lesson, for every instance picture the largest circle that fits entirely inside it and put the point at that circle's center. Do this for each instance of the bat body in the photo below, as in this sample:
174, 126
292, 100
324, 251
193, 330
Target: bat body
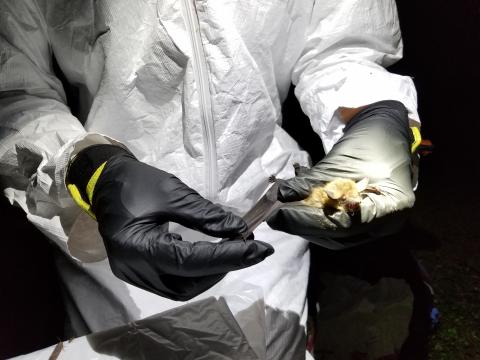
338, 195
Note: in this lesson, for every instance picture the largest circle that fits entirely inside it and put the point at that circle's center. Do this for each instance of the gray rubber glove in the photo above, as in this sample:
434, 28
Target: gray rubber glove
375, 145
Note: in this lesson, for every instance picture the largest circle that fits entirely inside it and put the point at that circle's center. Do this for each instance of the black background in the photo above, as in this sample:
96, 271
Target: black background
442, 48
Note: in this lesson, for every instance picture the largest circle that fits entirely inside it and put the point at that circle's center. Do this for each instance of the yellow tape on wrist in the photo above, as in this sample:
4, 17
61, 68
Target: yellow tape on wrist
77, 197
75, 194
417, 138
93, 181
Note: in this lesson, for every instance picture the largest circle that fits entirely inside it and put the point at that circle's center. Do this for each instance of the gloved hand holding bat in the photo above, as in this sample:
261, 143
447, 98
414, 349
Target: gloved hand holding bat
375, 152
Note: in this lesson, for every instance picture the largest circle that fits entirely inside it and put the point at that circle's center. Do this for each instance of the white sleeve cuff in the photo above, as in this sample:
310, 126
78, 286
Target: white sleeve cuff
350, 85
51, 209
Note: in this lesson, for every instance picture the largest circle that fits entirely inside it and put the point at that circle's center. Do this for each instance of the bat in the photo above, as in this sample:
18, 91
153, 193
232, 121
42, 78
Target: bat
339, 194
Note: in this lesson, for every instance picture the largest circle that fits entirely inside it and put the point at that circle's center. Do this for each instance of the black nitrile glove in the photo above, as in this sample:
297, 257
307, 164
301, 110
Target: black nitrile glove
375, 145
133, 203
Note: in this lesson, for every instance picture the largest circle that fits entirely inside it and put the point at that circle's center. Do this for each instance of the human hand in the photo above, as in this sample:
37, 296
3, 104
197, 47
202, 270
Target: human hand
375, 145
133, 203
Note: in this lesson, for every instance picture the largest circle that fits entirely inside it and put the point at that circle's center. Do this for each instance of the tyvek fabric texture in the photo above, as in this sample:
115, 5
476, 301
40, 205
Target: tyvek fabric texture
132, 63
204, 329
342, 64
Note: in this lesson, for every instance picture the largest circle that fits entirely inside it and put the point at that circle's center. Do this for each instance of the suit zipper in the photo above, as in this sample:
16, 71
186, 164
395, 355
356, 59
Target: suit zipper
201, 76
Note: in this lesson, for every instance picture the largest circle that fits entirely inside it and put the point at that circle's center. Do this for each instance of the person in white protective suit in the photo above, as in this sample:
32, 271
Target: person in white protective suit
180, 101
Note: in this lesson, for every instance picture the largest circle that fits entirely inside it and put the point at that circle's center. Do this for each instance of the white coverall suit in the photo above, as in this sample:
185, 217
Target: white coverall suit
194, 88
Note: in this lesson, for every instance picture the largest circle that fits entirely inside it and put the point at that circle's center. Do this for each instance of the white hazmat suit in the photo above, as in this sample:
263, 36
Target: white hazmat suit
194, 88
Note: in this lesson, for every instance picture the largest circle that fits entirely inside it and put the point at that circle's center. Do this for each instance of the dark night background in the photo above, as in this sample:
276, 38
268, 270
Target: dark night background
442, 51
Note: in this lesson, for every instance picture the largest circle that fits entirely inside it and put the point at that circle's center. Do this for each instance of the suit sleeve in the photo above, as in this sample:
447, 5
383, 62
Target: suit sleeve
348, 45
37, 130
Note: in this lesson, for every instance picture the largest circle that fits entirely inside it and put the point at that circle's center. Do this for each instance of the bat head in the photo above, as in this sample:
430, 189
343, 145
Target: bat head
346, 192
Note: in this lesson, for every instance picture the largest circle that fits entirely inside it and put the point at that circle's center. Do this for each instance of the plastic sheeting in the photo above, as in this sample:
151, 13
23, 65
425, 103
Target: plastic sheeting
205, 329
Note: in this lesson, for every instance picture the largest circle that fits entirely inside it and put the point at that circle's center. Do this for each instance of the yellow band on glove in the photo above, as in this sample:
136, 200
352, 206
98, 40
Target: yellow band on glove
417, 138
77, 197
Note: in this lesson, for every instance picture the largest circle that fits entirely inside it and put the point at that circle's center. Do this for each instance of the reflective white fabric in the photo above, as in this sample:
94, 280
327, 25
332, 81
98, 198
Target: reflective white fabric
204, 105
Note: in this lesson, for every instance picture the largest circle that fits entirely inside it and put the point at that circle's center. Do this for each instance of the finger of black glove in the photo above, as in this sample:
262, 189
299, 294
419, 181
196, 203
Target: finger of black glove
190, 209
210, 219
313, 224
183, 288
294, 189
176, 257
333, 231
311, 218
300, 170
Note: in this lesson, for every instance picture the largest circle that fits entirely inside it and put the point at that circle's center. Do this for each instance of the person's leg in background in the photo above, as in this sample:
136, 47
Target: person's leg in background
388, 258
